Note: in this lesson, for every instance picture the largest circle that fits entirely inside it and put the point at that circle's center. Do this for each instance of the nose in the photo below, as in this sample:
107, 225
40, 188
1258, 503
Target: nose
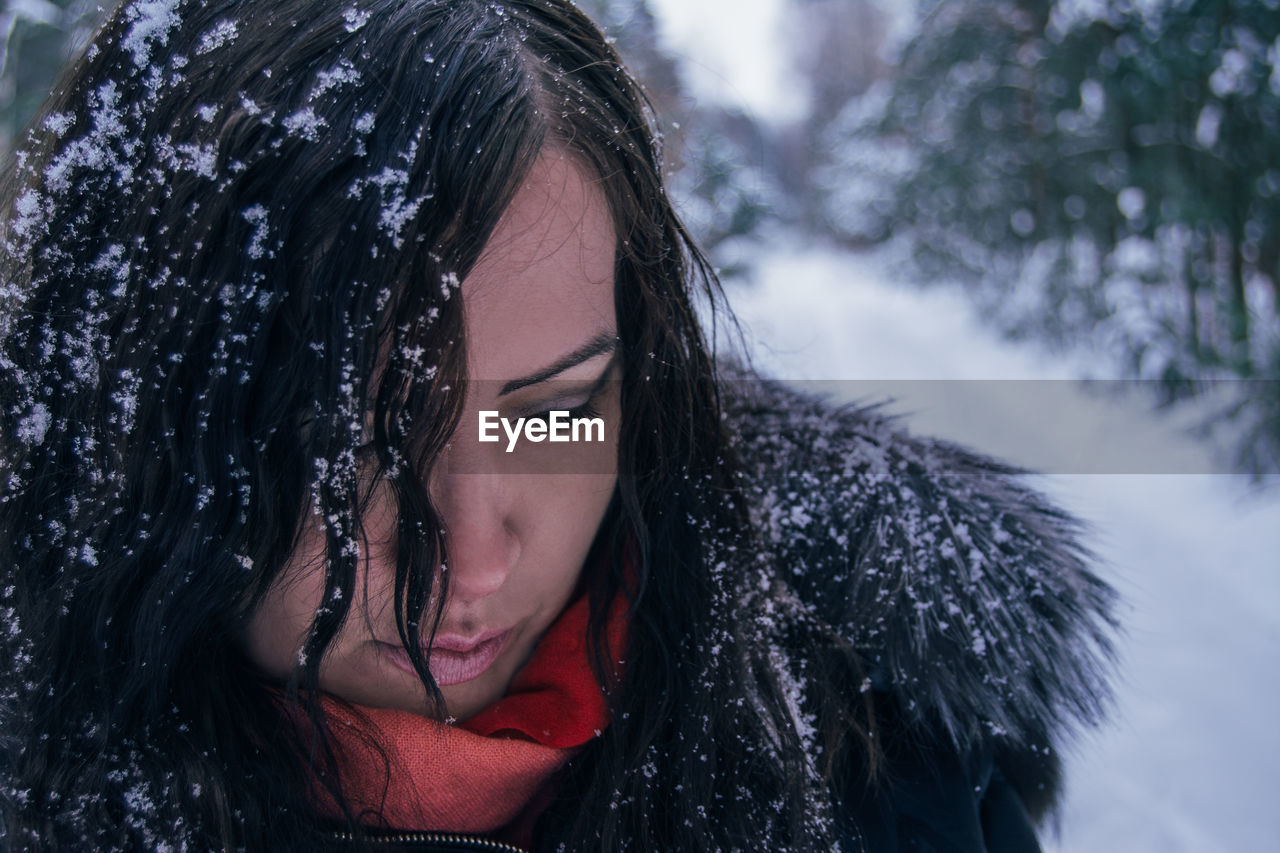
480, 536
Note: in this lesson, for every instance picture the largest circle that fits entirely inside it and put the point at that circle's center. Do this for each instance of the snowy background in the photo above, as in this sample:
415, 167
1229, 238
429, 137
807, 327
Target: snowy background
1191, 759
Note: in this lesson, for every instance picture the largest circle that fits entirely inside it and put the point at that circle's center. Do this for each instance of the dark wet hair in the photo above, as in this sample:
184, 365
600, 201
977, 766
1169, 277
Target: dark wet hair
234, 232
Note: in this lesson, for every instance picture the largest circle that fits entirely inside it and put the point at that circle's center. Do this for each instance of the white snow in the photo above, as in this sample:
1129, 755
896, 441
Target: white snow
201, 159
94, 150
151, 22
355, 18
59, 123
305, 123
29, 213
222, 32
1191, 761
257, 217
342, 74
397, 209
34, 425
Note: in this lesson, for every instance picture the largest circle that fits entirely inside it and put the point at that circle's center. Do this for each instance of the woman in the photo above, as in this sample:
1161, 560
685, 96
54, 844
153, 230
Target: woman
270, 271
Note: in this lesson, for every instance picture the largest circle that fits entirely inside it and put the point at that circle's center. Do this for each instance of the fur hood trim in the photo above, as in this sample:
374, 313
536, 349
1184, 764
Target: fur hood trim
968, 594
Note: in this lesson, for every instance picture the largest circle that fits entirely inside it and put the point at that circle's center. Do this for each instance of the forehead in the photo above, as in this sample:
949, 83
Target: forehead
544, 283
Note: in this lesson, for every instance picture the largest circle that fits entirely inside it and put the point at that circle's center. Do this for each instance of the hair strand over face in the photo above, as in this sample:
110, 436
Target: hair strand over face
230, 254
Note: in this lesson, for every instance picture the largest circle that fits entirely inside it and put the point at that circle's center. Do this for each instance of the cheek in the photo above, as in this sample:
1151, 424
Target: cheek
572, 512
566, 516
559, 514
279, 624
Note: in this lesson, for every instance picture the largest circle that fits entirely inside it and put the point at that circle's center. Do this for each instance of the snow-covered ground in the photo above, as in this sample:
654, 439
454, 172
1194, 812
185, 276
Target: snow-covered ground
1191, 760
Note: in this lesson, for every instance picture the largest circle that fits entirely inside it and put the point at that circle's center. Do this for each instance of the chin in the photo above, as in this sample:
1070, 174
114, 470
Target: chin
462, 704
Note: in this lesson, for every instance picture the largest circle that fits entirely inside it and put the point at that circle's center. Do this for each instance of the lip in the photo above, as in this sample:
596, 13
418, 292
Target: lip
454, 658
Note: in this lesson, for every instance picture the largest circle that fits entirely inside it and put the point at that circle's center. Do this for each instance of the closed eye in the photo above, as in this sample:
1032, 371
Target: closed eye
589, 407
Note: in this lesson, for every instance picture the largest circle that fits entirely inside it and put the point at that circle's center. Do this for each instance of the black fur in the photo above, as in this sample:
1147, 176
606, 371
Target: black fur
969, 596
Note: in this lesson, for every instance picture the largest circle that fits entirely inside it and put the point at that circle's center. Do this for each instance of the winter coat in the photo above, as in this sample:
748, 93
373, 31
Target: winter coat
968, 596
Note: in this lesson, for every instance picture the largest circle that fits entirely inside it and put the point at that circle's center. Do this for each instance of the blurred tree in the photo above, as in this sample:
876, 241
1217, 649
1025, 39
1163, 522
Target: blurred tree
714, 153
838, 48
39, 36
1100, 174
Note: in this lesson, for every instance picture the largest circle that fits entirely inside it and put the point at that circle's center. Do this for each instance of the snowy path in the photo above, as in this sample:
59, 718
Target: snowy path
1191, 763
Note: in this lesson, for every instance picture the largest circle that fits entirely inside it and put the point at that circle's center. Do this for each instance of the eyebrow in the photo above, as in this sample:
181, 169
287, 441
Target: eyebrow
600, 344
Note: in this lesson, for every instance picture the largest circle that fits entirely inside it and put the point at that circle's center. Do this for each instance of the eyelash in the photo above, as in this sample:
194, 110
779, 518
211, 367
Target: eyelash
589, 408
586, 410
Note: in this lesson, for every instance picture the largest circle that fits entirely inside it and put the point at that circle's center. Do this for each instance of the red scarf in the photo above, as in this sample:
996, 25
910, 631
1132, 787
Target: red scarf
492, 775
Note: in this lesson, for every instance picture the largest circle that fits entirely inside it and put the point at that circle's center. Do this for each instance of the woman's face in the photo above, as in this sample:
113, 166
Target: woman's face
541, 333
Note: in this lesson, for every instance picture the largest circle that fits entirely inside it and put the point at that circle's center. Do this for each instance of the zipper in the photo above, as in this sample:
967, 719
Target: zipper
449, 840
